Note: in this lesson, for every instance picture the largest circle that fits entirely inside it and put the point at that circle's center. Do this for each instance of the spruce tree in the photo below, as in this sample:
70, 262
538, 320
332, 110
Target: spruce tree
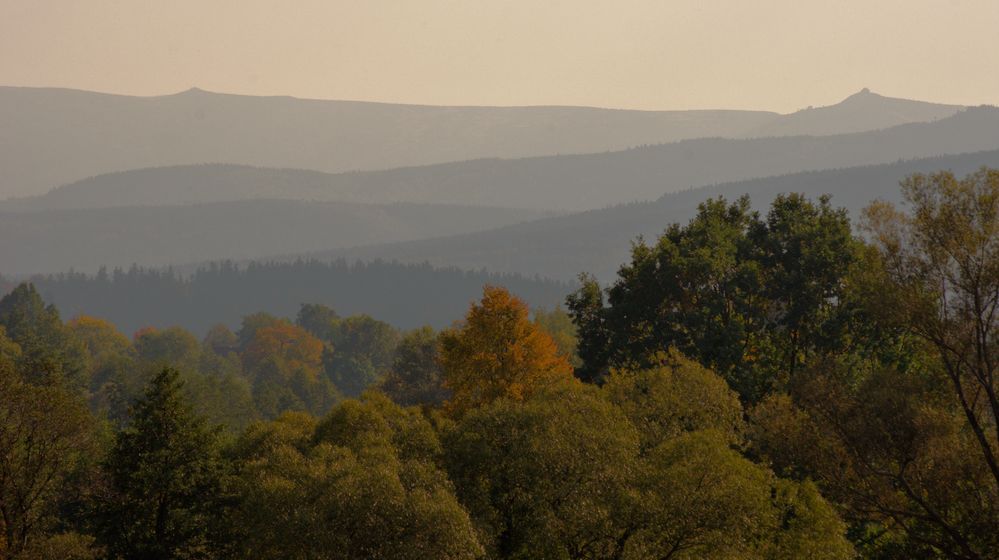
165, 478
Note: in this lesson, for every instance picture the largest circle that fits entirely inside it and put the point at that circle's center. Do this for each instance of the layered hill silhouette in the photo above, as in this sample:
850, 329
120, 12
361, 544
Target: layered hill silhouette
84, 239
51, 137
560, 183
599, 241
864, 110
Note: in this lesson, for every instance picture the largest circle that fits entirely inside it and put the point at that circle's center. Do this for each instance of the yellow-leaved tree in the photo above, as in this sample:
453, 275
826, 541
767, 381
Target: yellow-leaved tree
498, 352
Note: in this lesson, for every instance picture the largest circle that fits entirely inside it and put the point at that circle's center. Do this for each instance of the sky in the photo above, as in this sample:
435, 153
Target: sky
779, 55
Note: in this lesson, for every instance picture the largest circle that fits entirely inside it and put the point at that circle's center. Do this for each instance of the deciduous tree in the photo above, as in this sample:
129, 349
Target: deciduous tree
498, 352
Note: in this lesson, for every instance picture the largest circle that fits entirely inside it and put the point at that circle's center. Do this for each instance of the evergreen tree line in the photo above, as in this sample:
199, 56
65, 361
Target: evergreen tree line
405, 295
752, 385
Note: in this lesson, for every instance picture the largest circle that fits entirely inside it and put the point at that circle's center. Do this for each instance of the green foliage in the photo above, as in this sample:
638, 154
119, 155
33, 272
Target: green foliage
221, 340
678, 397
362, 486
869, 371
810, 526
283, 362
215, 386
164, 480
49, 352
363, 349
751, 298
892, 447
700, 499
415, 376
251, 324
46, 434
558, 325
174, 347
62, 546
318, 319
546, 478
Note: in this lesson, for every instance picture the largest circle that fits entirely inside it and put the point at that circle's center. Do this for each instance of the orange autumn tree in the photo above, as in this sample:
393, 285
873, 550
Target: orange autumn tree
498, 352
292, 346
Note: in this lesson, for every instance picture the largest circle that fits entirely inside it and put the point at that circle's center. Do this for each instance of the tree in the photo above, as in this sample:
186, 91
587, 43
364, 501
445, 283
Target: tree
890, 446
415, 376
164, 480
251, 324
498, 352
110, 357
942, 271
46, 433
172, 347
105, 345
362, 353
284, 363
558, 325
361, 484
753, 299
48, 349
318, 319
293, 347
677, 397
221, 340
701, 499
547, 477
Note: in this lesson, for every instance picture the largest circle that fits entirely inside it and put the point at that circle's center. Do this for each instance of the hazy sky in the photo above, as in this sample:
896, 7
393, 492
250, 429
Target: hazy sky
654, 54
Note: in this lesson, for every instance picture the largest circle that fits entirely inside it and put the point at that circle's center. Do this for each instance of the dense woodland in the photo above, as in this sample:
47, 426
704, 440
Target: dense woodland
774, 385
405, 295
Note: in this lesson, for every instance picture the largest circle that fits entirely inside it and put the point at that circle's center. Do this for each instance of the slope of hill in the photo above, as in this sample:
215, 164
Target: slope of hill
564, 183
598, 241
407, 296
48, 241
50, 137
861, 111
182, 184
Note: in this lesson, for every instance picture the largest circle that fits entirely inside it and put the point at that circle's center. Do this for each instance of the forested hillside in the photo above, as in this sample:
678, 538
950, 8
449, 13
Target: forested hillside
589, 181
86, 239
406, 296
751, 385
597, 241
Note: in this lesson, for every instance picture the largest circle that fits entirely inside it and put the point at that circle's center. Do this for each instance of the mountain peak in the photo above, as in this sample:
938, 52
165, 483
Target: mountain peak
864, 94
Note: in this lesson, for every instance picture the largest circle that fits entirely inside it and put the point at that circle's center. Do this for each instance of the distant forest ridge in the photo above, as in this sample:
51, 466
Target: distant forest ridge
52, 137
84, 239
405, 295
599, 240
560, 183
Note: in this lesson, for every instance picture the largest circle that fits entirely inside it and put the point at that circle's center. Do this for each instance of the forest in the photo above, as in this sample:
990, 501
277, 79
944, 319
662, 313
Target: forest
774, 384
198, 298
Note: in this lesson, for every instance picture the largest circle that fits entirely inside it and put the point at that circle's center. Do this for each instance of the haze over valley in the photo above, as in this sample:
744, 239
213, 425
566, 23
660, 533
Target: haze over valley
518, 280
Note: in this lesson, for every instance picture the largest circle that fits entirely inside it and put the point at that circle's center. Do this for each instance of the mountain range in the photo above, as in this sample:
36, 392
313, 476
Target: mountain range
557, 183
548, 215
599, 241
84, 239
51, 137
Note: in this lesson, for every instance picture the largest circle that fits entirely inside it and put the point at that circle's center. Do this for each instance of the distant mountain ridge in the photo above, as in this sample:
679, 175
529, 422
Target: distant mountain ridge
84, 239
560, 183
51, 137
181, 185
598, 241
864, 110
